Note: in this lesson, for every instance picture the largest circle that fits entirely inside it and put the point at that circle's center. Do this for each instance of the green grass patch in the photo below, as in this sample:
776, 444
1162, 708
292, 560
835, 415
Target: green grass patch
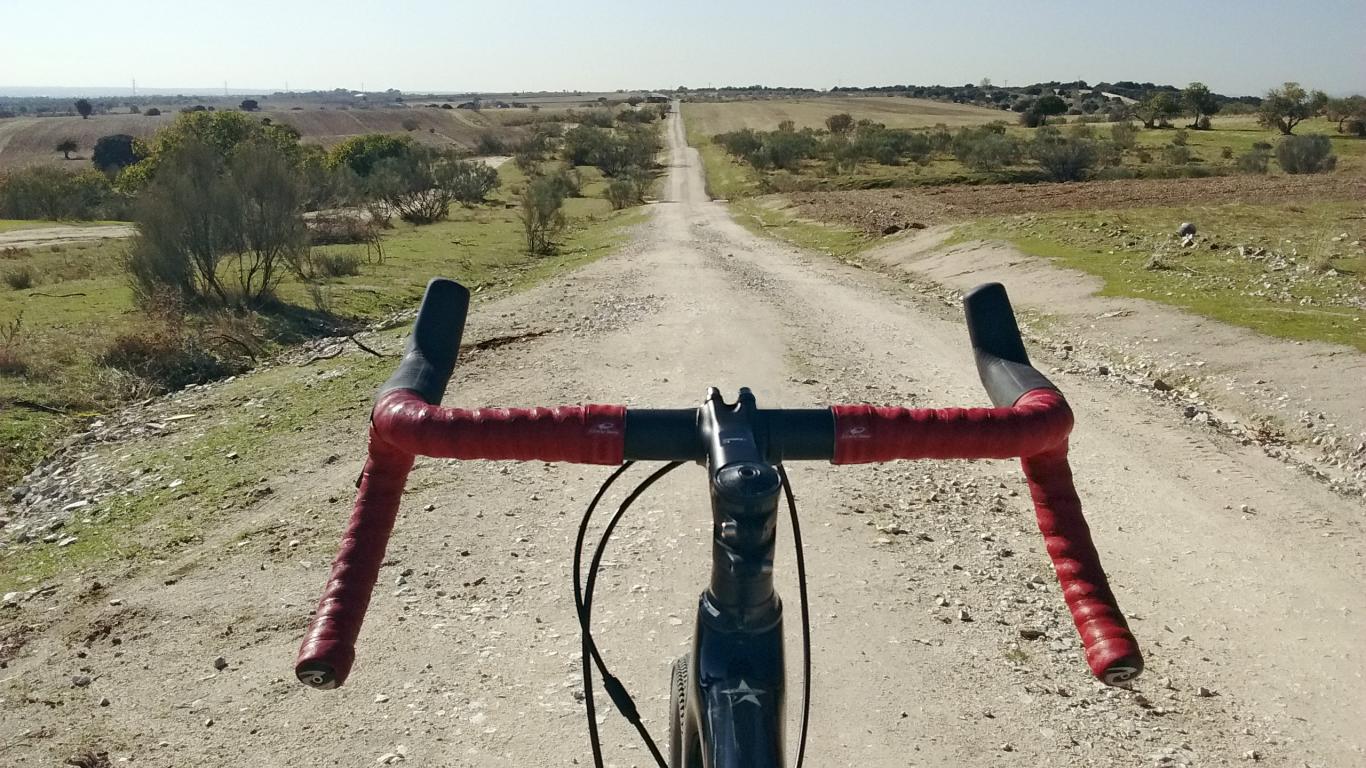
301, 409
62, 338
1315, 294
768, 216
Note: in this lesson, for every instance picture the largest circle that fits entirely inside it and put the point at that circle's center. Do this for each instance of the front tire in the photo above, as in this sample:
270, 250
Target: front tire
678, 710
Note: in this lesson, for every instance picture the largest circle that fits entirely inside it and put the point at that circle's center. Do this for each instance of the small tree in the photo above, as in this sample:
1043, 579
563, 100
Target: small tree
84, 108
840, 124
1288, 106
1306, 154
186, 224
66, 147
114, 153
1157, 108
1342, 110
542, 214
1048, 106
1201, 102
272, 233
250, 105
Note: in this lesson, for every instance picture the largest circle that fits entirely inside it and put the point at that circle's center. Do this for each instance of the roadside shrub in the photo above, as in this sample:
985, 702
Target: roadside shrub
164, 357
1176, 154
151, 112
200, 212
1124, 135
637, 116
642, 180
1354, 127
569, 181
1064, 159
1179, 138
598, 118
409, 124
491, 144
1031, 119
20, 278
1253, 161
985, 150
44, 192
469, 181
362, 153
1226, 153
13, 361
541, 210
527, 161
1144, 156
341, 229
621, 194
614, 152
1203, 123
421, 184
1306, 154
335, 264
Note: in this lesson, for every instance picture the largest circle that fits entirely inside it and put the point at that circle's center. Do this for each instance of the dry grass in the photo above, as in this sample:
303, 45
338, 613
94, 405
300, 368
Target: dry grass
709, 118
29, 140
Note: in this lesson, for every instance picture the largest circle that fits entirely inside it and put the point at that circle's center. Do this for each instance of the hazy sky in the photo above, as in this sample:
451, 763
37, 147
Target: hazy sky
1236, 46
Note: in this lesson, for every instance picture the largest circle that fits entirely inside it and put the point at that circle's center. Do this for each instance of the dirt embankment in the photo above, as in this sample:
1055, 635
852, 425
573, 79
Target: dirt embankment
874, 210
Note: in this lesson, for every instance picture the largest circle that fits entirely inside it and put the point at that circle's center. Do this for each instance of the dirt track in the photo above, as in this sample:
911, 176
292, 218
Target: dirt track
1252, 621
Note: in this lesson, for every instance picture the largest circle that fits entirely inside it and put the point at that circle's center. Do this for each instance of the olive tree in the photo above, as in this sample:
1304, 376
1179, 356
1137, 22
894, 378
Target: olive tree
1288, 106
1201, 102
1157, 108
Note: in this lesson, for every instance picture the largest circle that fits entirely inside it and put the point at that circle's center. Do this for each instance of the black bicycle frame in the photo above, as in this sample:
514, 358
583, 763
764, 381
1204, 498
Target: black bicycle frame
735, 697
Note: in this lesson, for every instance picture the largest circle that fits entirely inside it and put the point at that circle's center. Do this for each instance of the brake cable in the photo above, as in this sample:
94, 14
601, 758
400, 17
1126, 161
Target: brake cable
806, 612
583, 603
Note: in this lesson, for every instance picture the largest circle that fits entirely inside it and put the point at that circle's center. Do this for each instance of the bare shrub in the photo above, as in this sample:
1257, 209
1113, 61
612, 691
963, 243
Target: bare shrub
20, 278
1124, 135
542, 214
1176, 154
621, 194
12, 360
166, 359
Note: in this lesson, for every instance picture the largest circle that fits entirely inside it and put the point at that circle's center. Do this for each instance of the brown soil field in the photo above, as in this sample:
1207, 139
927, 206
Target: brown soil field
28, 141
709, 118
874, 209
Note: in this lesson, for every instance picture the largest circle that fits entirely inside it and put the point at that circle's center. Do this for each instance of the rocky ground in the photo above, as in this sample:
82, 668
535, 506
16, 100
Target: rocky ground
940, 636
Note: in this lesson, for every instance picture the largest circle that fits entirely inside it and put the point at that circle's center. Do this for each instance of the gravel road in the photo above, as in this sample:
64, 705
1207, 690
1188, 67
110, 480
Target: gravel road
940, 636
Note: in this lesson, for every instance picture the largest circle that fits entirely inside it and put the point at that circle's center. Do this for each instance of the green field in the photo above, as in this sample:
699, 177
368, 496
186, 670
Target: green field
62, 336
728, 177
1317, 295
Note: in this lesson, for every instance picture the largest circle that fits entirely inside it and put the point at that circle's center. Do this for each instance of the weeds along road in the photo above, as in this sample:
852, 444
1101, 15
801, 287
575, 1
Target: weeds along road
940, 636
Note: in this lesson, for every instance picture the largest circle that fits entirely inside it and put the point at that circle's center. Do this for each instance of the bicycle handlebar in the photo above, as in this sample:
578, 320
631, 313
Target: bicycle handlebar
1032, 421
